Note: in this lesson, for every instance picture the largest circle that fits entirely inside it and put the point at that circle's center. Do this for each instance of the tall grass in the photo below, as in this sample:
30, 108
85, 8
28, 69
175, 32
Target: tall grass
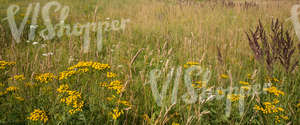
160, 35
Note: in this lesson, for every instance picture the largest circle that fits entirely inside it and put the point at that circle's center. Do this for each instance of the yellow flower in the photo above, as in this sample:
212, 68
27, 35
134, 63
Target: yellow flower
126, 103
274, 90
38, 115
114, 85
280, 109
73, 99
174, 123
273, 80
224, 76
19, 98
18, 77
63, 88
199, 84
249, 76
2, 85
12, 89
4, 64
234, 97
244, 83
116, 113
66, 74
284, 117
111, 74
84, 70
268, 108
146, 117
275, 101
45, 78
246, 88
94, 65
190, 63
298, 105
257, 108
111, 98
3, 93
277, 119
82, 67
220, 92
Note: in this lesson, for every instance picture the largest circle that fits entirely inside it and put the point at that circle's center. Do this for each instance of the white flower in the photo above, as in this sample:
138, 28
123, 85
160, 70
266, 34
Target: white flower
107, 18
48, 54
34, 43
28, 41
33, 26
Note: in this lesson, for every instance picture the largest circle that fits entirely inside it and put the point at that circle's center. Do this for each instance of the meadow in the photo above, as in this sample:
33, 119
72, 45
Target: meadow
249, 48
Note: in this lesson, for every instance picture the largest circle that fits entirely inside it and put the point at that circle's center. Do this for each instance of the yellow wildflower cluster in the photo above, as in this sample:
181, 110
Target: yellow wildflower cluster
38, 115
111, 75
114, 85
123, 102
82, 67
270, 108
118, 88
234, 97
189, 64
275, 101
72, 99
45, 78
11, 89
94, 65
274, 90
66, 74
273, 80
62, 88
18, 77
116, 113
277, 118
4, 64
69, 73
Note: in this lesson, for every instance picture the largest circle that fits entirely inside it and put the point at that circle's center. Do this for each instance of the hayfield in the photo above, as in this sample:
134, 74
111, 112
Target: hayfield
161, 62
